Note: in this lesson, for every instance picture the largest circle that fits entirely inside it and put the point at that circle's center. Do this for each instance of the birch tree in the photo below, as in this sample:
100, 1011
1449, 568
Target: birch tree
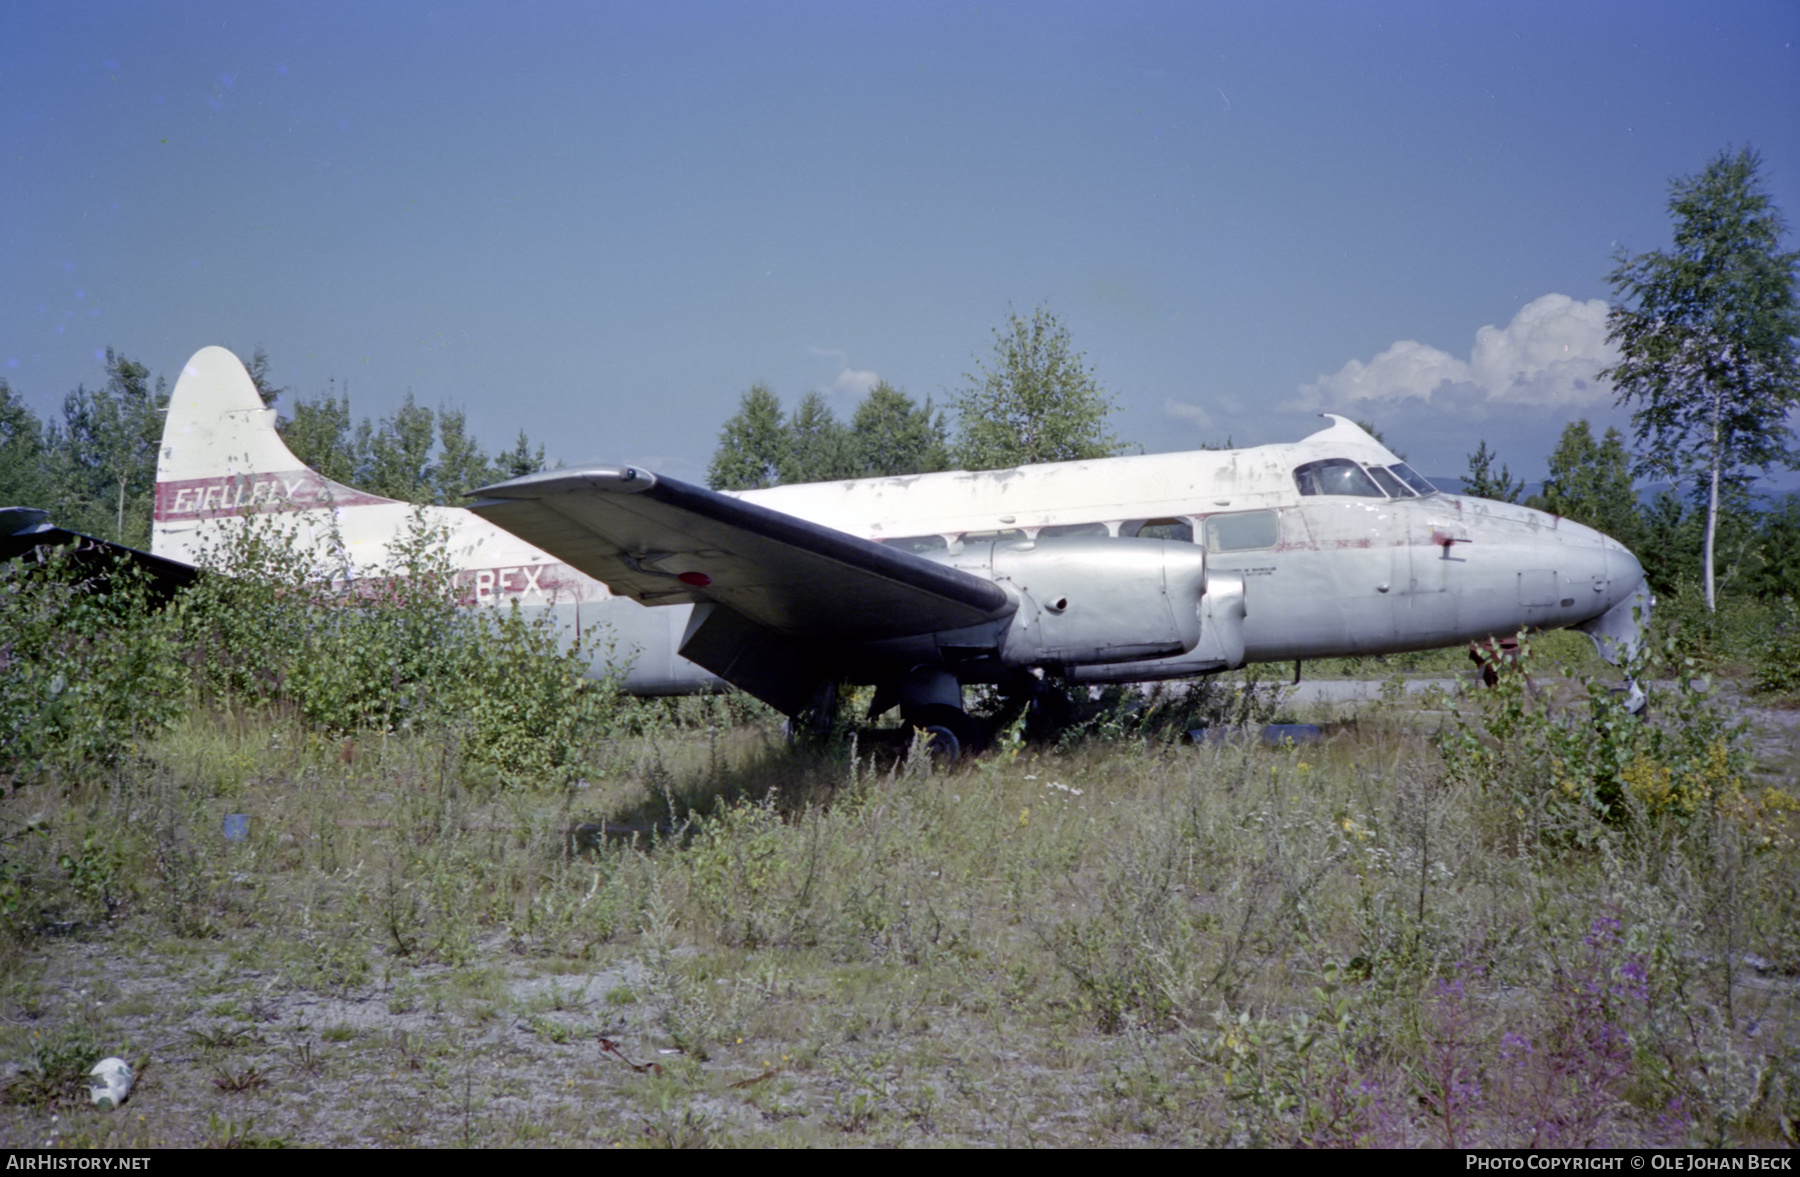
1036, 401
1707, 339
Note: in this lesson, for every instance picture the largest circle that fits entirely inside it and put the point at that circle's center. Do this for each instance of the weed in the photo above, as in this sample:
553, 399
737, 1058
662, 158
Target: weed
87, 674
1776, 659
1564, 767
58, 1071
222, 1038
689, 1127
411, 1049
223, 1132
552, 1030
236, 1081
307, 1059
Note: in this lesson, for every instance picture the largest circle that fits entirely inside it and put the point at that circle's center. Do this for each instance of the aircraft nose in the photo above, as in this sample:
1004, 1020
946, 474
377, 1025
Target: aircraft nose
1615, 572
1623, 570
1596, 559
1617, 625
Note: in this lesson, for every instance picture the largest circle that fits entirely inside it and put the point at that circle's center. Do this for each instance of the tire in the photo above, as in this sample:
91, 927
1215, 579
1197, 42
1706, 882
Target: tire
953, 735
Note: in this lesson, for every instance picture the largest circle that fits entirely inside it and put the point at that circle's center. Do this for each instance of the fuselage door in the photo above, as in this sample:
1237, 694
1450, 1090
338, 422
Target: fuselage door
1435, 555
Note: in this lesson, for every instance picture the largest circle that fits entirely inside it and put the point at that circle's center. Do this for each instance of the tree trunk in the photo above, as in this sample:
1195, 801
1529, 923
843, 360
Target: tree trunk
1712, 507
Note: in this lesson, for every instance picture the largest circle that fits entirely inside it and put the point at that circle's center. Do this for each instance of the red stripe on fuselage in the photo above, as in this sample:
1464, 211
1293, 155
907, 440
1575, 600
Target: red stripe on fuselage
253, 494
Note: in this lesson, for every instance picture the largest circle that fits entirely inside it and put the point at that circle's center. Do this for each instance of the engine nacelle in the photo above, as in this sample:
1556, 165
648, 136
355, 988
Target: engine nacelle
1090, 599
1221, 647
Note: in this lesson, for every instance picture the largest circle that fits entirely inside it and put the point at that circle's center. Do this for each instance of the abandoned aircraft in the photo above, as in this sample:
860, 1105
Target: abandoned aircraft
1115, 570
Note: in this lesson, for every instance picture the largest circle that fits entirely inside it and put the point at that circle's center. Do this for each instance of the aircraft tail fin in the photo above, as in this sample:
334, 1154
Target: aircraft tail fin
222, 459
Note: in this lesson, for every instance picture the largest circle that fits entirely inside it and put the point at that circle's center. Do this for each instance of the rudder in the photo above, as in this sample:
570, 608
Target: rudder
221, 459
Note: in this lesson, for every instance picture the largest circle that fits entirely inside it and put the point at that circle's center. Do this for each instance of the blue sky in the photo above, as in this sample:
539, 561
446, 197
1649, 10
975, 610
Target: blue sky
600, 223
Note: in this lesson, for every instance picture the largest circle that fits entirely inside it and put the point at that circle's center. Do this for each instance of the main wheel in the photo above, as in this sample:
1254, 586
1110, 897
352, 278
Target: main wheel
952, 734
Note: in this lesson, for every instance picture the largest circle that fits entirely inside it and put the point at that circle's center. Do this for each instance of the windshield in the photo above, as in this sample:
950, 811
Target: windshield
1336, 476
1412, 478
1395, 488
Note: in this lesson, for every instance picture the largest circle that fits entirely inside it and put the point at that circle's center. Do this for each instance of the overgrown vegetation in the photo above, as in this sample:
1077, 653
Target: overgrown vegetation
83, 673
1518, 917
1591, 759
92, 666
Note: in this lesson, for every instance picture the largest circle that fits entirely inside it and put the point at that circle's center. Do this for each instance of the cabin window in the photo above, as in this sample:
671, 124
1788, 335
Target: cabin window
918, 543
1336, 476
1057, 529
1242, 531
1005, 535
1176, 529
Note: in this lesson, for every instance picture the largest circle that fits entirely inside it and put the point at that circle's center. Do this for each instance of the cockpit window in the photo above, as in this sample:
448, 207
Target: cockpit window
1411, 477
1336, 476
1388, 482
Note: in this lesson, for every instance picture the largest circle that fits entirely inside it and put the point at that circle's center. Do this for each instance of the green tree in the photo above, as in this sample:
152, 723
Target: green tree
519, 460
1483, 483
23, 479
890, 435
1707, 339
262, 375
415, 455
1775, 570
1035, 401
399, 453
321, 435
818, 447
752, 446
1590, 482
462, 465
1671, 540
104, 453
1368, 427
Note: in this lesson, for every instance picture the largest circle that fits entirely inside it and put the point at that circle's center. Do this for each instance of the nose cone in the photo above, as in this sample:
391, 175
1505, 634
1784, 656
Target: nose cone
1618, 629
1626, 574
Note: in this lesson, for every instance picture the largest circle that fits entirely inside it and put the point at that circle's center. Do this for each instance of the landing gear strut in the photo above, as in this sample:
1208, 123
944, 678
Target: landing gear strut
930, 700
814, 721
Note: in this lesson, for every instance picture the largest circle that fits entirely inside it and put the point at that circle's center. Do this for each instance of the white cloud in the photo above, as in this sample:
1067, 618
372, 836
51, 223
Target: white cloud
1547, 356
855, 381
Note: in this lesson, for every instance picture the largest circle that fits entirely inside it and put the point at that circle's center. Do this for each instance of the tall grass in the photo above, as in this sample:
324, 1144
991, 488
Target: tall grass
1519, 919
1121, 941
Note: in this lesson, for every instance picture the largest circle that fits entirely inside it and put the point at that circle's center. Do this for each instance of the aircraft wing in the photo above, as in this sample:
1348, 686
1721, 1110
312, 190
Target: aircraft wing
28, 530
660, 541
